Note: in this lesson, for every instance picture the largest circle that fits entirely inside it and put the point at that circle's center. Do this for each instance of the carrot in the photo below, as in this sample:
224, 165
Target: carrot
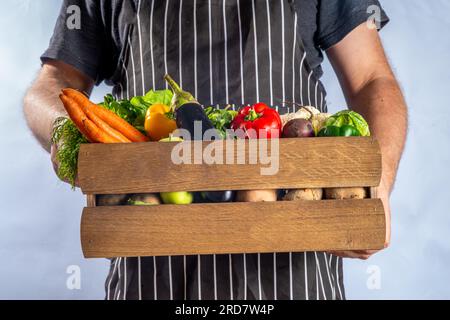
119, 124
82, 122
76, 115
97, 134
103, 125
113, 120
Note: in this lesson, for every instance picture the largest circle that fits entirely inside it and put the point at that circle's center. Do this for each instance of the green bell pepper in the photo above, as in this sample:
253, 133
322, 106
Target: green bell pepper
343, 131
349, 118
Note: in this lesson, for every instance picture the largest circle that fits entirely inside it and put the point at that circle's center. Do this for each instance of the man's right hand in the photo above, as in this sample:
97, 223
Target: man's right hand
53, 151
42, 104
55, 163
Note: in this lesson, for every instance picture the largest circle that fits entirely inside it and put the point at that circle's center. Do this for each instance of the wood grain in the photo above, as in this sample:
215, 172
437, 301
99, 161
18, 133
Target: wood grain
373, 192
282, 226
303, 163
91, 200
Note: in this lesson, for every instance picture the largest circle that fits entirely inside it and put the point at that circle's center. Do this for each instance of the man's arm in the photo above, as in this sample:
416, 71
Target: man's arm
371, 89
41, 103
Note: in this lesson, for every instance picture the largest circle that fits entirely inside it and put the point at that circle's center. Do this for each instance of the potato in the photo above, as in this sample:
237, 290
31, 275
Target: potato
148, 198
256, 195
304, 194
111, 199
345, 193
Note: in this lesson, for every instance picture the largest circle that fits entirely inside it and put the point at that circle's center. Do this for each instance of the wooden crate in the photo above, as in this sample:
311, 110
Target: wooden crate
237, 227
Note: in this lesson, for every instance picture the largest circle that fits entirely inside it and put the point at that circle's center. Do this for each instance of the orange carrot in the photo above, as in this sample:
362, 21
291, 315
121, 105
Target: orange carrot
82, 122
76, 115
97, 134
119, 124
113, 120
103, 125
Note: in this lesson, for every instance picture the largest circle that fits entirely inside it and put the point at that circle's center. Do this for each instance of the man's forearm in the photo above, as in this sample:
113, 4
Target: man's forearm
41, 108
41, 103
371, 89
381, 103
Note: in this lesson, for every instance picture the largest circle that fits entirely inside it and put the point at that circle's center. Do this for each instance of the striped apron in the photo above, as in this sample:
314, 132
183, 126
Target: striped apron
224, 52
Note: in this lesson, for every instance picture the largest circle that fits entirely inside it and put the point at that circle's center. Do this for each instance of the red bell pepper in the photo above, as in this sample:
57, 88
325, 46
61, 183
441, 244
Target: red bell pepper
257, 121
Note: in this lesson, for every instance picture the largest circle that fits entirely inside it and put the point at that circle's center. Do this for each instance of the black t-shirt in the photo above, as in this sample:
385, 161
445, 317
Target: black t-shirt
95, 47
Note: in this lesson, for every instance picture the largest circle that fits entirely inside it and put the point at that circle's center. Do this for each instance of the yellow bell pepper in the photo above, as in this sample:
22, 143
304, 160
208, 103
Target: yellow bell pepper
159, 122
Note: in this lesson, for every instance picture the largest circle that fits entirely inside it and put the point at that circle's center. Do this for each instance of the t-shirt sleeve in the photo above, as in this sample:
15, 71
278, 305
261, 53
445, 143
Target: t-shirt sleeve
79, 38
337, 18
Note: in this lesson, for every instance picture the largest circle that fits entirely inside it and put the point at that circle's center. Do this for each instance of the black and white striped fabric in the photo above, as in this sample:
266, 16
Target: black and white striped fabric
225, 52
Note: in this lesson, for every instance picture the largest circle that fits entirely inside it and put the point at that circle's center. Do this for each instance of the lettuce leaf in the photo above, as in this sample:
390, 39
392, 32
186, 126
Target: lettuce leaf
348, 117
221, 119
158, 96
133, 111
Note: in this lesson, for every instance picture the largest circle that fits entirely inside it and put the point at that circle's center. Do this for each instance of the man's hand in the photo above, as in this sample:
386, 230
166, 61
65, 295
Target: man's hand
382, 192
371, 89
55, 163
42, 105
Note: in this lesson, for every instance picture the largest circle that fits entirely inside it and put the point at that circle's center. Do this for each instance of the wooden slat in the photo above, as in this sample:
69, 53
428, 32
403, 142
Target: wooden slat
233, 228
373, 193
91, 200
303, 163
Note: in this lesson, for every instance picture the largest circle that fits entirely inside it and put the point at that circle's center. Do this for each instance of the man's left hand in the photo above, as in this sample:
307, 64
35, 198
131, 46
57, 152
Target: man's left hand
382, 192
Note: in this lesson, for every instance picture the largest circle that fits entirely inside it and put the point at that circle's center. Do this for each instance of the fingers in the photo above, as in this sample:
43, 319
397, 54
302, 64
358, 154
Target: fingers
53, 150
55, 163
77, 184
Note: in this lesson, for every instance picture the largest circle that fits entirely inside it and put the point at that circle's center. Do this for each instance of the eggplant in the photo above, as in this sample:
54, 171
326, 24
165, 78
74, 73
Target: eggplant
180, 97
217, 196
187, 112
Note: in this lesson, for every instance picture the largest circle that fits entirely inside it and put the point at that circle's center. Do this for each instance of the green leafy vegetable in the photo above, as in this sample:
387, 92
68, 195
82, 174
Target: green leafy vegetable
134, 110
158, 96
221, 118
351, 118
68, 139
134, 114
